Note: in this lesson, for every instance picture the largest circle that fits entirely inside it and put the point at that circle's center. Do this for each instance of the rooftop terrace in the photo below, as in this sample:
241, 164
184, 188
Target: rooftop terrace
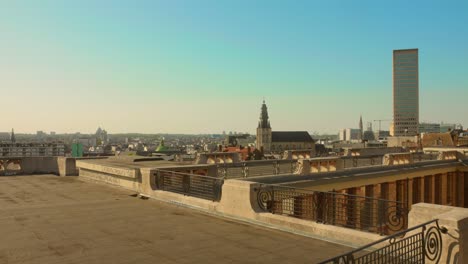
50, 219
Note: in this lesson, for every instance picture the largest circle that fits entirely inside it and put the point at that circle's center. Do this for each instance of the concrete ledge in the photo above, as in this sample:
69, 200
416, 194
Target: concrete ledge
122, 172
455, 219
98, 176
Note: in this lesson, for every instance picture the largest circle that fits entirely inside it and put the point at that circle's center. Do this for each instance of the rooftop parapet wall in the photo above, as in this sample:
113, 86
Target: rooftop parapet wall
450, 155
454, 248
128, 178
317, 165
298, 154
217, 157
239, 200
38, 165
121, 172
398, 159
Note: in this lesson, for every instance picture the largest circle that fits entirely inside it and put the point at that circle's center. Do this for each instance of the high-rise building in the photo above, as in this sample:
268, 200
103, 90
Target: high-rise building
405, 92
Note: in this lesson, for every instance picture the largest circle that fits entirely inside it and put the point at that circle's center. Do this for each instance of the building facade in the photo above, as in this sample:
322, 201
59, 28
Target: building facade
279, 141
429, 128
35, 149
405, 92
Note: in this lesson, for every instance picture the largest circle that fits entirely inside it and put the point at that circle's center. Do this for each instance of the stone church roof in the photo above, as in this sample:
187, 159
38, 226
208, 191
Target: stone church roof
291, 136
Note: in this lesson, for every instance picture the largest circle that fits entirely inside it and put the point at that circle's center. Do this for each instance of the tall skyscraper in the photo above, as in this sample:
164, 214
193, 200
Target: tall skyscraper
405, 92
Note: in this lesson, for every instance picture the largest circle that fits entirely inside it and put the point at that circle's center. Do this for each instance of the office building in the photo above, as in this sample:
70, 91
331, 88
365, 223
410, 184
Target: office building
405, 92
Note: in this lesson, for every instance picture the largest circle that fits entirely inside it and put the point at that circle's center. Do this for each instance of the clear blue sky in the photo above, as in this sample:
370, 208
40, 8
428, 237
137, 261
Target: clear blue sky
204, 66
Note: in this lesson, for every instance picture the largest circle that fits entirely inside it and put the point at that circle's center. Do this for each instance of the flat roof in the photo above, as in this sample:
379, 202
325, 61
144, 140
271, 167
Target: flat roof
346, 175
398, 50
130, 163
51, 219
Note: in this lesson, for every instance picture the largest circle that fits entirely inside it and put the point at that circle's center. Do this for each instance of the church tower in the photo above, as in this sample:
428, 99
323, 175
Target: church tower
12, 136
264, 130
361, 129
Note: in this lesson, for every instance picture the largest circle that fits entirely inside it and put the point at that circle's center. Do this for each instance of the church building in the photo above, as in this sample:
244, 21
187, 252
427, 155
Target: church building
279, 141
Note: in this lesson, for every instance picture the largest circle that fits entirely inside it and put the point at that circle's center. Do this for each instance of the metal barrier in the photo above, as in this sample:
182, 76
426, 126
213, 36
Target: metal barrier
358, 212
256, 168
422, 245
195, 185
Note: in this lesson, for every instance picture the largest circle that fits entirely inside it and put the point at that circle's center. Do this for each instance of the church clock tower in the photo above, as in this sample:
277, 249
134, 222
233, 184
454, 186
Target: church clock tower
264, 130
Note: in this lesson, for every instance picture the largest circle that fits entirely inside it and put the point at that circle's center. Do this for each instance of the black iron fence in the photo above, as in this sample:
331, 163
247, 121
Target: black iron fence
195, 185
358, 212
419, 244
256, 168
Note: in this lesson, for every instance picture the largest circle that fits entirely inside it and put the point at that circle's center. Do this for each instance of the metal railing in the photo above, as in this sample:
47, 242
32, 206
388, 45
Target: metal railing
358, 212
419, 244
200, 186
256, 168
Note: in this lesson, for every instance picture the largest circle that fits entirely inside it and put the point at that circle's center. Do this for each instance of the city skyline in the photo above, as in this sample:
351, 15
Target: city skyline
193, 68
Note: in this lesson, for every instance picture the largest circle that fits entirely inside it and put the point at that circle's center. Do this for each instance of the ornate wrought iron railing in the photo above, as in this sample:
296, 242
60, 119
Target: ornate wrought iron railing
195, 185
256, 168
418, 244
358, 212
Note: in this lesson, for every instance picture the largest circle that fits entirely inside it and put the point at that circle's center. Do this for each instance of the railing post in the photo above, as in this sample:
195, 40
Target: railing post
423, 244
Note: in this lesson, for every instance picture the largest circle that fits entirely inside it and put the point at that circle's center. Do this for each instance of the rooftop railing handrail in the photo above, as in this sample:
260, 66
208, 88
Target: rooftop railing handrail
330, 192
195, 185
341, 209
256, 162
388, 238
190, 174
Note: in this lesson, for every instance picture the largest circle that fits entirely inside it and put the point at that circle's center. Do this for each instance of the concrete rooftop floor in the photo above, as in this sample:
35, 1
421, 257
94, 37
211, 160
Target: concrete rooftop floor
50, 219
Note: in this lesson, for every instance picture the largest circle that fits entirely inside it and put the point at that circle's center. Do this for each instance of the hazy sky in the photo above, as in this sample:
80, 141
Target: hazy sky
204, 66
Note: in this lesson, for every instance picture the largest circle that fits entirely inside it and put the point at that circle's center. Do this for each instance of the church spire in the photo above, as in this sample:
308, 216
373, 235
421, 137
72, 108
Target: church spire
264, 122
12, 136
361, 128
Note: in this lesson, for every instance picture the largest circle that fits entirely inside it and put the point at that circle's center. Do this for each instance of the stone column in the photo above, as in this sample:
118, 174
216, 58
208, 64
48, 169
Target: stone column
351, 208
429, 189
461, 188
410, 193
372, 191
392, 191
443, 188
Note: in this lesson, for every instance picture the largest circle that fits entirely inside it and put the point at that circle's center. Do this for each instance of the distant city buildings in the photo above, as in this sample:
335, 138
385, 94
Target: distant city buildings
405, 93
350, 134
32, 149
446, 127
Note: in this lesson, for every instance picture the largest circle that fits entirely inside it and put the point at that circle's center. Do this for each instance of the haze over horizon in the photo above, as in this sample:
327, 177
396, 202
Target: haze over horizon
204, 66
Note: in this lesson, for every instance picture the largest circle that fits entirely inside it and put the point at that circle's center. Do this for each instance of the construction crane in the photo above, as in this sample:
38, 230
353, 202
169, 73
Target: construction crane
380, 122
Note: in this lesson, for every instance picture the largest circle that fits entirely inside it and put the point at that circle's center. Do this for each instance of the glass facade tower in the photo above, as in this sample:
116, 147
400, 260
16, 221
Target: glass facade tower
405, 92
